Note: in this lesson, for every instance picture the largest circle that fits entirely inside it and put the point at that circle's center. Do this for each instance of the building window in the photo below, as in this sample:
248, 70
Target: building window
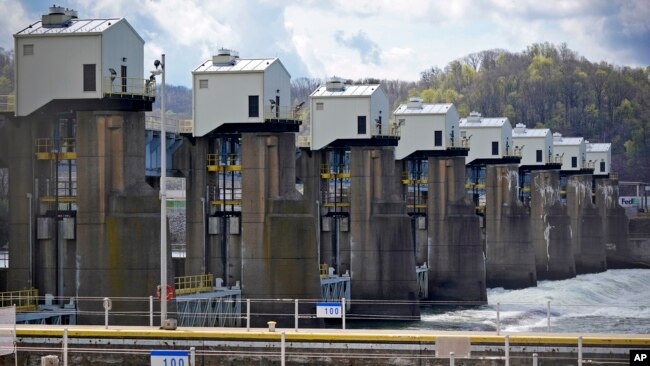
602, 166
437, 138
203, 84
361, 125
90, 83
320, 106
495, 147
574, 162
539, 156
28, 49
253, 106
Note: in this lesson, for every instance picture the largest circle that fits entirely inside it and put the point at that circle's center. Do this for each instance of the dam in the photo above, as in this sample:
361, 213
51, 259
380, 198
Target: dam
353, 201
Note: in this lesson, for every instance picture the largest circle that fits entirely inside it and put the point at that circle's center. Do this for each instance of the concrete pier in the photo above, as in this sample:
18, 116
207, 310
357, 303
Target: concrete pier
18, 138
108, 246
118, 216
615, 224
508, 246
586, 226
455, 251
640, 241
382, 258
550, 227
278, 229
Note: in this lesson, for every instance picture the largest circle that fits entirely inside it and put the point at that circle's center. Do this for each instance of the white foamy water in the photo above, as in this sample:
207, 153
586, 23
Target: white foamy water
616, 301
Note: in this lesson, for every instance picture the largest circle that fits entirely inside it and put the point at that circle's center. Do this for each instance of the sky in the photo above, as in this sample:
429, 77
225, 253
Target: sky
360, 38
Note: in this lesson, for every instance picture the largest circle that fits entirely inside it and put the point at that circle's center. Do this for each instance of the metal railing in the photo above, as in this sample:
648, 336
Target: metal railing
129, 87
273, 112
8, 103
172, 125
194, 284
385, 130
25, 300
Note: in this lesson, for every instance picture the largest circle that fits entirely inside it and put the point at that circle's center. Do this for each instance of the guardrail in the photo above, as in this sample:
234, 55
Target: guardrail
25, 300
278, 113
8, 103
385, 130
194, 284
172, 125
129, 87
512, 318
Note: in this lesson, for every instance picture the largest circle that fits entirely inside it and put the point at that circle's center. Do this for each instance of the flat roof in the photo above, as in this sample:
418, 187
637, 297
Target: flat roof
484, 122
426, 109
241, 65
599, 147
530, 132
77, 26
349, 91
568, 141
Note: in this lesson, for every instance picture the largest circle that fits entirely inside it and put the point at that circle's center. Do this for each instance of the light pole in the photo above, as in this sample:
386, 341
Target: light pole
163, 193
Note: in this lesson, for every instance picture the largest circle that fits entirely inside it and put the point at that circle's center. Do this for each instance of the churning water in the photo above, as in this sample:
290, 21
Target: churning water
616, 301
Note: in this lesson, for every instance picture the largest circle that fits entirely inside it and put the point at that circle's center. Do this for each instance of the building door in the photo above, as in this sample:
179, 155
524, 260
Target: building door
123, 75
277, 106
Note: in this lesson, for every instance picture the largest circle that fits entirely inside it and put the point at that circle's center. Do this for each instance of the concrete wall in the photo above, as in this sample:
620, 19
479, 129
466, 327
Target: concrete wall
508, 246
586, 226
278, 242
455, 250
550, 227
615, 224
640, 241
382, 260
19, 159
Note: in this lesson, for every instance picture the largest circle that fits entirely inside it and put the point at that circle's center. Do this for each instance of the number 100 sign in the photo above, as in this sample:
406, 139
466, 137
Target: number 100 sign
329, 310
169, 358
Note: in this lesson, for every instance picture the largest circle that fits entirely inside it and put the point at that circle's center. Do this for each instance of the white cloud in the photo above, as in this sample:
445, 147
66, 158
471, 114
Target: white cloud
12, 20
377, 38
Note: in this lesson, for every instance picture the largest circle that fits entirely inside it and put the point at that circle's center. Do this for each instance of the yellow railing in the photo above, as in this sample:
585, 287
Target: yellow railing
213, 163
129, 87
388, 130
324, 270
25, 300
45, 149
7, 103
194, 284
172, 125
274, 112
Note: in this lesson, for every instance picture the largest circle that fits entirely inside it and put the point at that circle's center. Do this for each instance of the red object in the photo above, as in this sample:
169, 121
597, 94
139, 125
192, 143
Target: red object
170, 292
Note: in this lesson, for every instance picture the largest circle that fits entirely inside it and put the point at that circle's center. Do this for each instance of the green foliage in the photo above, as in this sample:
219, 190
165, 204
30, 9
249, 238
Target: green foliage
551, 86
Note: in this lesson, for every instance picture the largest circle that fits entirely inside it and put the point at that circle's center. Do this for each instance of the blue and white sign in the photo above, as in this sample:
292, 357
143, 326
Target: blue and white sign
169, 358
329, 310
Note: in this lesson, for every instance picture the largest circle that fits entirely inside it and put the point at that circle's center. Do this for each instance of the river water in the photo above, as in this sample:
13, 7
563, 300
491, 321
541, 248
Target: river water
616, 301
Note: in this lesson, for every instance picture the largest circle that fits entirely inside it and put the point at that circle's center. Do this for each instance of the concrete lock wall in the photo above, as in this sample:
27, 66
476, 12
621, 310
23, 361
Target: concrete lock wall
586, 226
382, 259
508, 246
118, 217
455, 250
279, 246
550, 227
615, 224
